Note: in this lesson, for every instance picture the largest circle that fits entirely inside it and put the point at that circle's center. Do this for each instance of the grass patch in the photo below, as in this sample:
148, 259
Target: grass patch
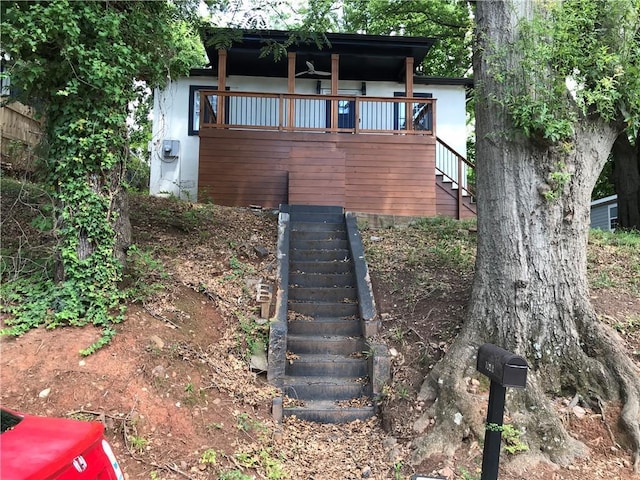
613, 260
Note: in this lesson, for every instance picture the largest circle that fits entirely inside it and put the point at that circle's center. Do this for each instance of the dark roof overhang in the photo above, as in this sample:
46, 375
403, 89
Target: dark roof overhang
362, 57
465, 82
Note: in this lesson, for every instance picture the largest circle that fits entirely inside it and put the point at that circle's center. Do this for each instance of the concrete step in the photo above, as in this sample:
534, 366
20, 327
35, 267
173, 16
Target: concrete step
325, 326
326, 388
354, 347
326, 411
300, 266
313, 209
322, 244
322, 280
324, 294
326, 365
322, 309
315, 217
301, 235
317, 226
319, 255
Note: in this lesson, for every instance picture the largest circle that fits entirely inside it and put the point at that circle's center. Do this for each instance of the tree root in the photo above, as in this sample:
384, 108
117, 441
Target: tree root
459, 414
604, 344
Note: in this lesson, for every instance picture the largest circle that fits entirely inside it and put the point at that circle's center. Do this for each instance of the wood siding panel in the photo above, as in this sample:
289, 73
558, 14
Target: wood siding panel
393, 179
385, 174
237, 170
316, 175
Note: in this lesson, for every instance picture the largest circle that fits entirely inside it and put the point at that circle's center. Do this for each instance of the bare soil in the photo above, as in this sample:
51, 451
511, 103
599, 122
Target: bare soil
175, 383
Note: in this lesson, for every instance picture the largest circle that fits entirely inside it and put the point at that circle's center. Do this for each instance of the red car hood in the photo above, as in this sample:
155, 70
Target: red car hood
40, 448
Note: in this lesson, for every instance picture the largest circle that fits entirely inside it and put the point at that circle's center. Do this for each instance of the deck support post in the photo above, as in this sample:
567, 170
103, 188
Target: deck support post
222, 84
291, 88
335, 71
408, 81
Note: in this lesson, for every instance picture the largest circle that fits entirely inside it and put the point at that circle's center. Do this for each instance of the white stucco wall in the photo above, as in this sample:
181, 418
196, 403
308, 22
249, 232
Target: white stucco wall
179, 175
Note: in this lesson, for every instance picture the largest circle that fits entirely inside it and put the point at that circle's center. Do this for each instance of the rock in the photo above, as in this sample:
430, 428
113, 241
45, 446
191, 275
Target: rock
158, 371
394, 455
261, 251
447, 473
366, 472
251, 283
82, 363
258, 361
44, 393
157, 341
579, 412
373, 238
389, 442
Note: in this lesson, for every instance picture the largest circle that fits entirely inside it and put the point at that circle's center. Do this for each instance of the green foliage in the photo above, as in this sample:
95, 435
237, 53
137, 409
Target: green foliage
511, 437
588, 48
604, 186
466, 475
450, 246
85, 63
245, 423
264, 460
36, 300
614, 260
447, 20
209, 457
629, 325
254, 336
143, 275
556, 181
234, 475
137, 443
397, 471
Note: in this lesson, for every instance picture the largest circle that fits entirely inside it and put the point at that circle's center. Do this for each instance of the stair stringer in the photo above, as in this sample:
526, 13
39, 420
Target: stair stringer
379, 364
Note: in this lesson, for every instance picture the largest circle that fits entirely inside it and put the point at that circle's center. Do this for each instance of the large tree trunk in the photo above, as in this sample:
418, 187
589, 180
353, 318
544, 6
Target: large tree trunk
530, 293
626, 178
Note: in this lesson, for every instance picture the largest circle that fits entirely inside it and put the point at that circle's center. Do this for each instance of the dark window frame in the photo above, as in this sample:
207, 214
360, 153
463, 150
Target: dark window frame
396, 110
193, 89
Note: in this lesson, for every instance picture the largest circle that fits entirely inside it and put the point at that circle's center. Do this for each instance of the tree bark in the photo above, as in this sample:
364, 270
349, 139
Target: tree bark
530, 293
626, 178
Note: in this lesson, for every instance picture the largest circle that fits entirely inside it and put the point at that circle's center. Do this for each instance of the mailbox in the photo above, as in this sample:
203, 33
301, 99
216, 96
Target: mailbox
502, 366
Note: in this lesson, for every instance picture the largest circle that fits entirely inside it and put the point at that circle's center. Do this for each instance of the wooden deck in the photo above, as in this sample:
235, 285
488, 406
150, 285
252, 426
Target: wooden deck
385, 174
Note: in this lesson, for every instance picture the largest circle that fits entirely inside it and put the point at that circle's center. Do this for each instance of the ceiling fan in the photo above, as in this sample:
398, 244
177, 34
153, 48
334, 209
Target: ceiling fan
311, 70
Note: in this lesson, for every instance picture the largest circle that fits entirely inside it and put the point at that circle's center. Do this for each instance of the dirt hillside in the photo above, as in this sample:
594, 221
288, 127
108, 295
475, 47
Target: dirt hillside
175, 388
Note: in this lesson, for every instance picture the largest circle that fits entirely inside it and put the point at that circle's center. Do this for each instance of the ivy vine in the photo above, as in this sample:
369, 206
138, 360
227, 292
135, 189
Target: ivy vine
83, 64
578, 58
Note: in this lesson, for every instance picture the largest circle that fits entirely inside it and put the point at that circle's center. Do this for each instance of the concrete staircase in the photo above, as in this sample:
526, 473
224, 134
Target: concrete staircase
328, 365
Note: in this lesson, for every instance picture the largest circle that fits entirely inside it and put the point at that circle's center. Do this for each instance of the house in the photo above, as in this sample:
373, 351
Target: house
317, 126
604, 213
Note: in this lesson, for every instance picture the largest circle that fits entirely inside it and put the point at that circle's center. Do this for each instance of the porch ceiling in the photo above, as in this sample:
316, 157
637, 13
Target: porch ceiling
362, 57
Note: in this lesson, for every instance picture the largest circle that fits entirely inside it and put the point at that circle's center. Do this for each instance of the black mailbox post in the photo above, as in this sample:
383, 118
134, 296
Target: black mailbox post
504, 369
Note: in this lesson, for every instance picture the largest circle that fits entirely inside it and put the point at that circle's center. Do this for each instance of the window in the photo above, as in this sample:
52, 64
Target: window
346, 114
422, 113
194, 107
346, 109
613, 217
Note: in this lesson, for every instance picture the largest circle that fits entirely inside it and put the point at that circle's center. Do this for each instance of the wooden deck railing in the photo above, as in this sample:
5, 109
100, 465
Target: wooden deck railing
454, 168
316, 113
